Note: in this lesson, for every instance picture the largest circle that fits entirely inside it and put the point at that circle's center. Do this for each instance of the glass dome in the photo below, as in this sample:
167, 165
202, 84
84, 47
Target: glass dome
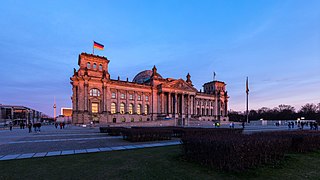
144, 76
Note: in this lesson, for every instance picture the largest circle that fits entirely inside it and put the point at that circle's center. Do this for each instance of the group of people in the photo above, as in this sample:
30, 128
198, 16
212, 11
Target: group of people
301, 125
22, 125
61, 124
36, 127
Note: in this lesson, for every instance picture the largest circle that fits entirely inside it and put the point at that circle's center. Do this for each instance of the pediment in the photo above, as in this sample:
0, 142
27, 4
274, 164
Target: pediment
180, 85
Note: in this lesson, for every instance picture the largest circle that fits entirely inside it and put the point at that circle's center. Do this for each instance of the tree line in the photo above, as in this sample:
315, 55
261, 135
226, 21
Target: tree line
309, 111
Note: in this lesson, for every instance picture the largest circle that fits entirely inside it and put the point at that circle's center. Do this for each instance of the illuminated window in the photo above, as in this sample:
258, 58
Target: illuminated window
147, 98
94, 92
139, 109
94, 107
131, 97
130, 108
94, 65
122, 96
146, 109
113, 95
100, 67
122, 108
123, 119
88, 65
132, 119
139, 97
113, 108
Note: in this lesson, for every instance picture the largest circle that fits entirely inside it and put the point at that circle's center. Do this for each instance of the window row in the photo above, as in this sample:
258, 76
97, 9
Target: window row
96, 92
94, 66
207, 112
130, 108
211, 103
123, 96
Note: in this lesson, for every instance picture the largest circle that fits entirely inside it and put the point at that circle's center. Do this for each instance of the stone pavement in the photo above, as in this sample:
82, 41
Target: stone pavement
19, 144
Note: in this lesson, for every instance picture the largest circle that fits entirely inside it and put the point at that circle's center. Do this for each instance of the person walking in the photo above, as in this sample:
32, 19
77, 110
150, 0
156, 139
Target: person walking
10, 126
30, 127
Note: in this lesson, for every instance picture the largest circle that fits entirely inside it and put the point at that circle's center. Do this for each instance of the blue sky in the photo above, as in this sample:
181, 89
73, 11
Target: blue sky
276, 43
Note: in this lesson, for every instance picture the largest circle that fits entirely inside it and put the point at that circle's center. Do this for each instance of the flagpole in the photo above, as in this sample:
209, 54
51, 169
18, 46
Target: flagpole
247, 92
93, 48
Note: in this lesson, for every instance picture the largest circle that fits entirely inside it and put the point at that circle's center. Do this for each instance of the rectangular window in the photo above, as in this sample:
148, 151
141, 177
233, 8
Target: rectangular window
113, 95
131, 97
94, 108
139, 97
147, 98
123, 96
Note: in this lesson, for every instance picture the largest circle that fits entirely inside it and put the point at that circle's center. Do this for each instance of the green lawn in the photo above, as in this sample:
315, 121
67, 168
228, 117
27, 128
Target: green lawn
150, 163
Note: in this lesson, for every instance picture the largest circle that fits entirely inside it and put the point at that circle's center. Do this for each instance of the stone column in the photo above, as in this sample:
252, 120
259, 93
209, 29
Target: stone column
169, 105
162, 102
86, 96
127, 102
176, 105
189, 106
103, 98
118, 101
216, 107
135, 102
182, 106
74, 98
143, 103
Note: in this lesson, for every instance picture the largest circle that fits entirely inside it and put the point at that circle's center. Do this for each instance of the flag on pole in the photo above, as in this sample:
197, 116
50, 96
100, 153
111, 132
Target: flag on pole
247, 86
214, 76
98, 45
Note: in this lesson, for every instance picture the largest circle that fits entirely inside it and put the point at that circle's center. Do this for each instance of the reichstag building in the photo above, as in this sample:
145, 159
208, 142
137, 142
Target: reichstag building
149, 97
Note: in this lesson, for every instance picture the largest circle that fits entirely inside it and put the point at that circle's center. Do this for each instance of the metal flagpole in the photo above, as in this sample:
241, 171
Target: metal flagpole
247, 92
93, 48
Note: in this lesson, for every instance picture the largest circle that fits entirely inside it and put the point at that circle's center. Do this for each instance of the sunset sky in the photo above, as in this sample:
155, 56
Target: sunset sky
276, 43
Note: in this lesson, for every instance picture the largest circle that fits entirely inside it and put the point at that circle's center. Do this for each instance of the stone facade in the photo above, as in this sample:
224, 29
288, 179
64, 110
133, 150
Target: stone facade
149, 97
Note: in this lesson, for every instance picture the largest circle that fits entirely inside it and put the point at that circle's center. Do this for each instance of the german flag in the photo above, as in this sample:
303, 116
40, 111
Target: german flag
98, 45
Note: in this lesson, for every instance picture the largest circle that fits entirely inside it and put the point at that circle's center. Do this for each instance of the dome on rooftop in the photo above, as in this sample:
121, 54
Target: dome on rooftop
144, 76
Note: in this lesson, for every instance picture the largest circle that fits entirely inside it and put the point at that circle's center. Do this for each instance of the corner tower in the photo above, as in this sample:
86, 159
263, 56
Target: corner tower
89, 84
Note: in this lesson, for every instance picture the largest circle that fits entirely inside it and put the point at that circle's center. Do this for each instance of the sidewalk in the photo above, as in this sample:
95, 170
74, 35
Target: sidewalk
81, 151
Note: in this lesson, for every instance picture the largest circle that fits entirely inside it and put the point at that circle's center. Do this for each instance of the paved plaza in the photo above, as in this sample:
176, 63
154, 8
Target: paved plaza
19, 143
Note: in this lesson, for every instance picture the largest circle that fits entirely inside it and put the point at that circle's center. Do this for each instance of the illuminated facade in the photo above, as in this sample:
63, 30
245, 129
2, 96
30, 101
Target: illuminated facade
149, 97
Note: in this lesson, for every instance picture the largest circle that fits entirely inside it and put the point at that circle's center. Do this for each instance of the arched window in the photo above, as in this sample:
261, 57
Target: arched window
113, 108
88, 65
122, 108
94, 92
139, 109
130, 108
146, 109
100, 67
94, 65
